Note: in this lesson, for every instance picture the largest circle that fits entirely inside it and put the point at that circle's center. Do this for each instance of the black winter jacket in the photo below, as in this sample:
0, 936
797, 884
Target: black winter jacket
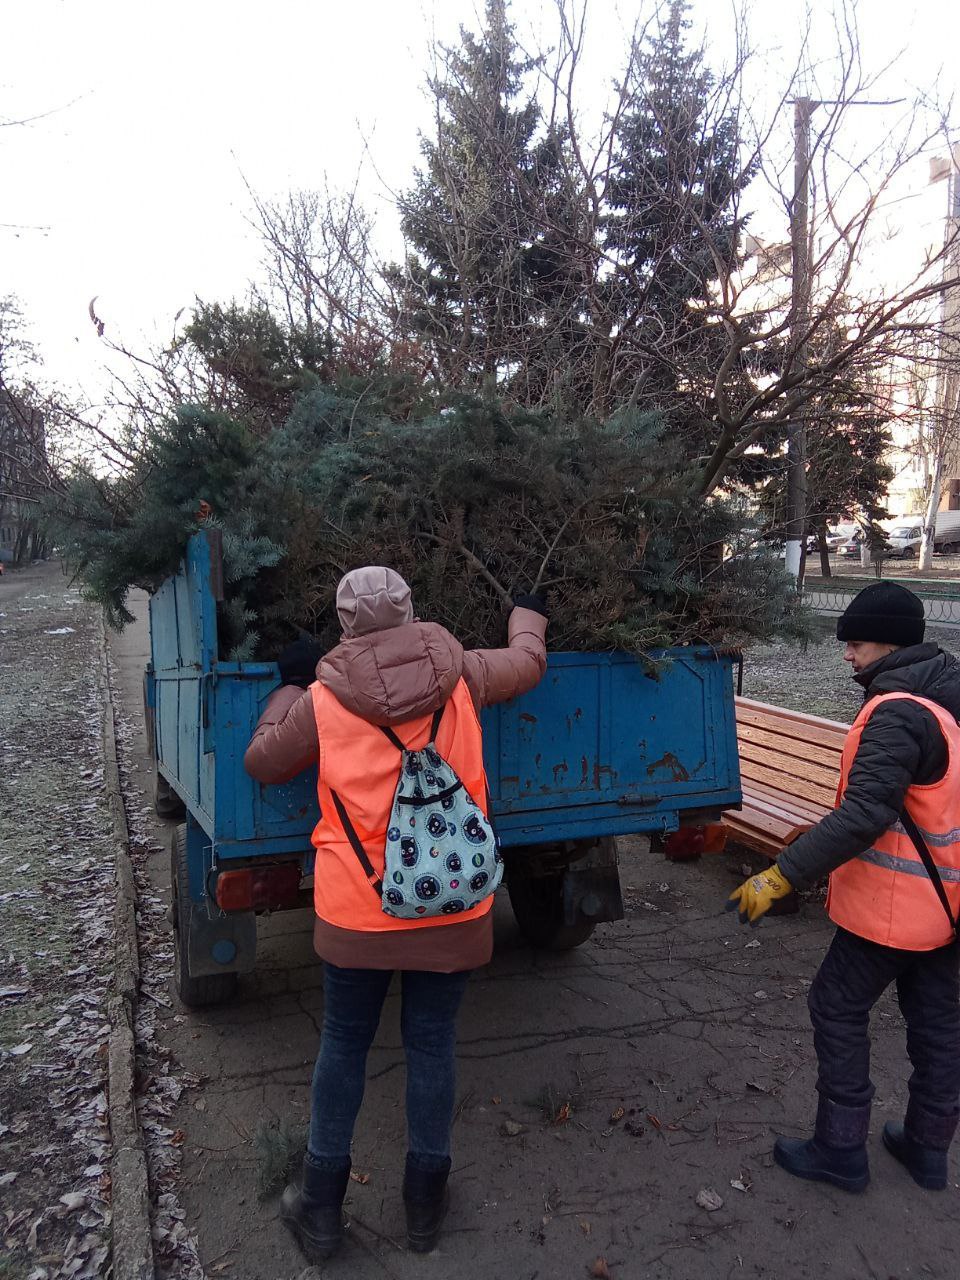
901, 744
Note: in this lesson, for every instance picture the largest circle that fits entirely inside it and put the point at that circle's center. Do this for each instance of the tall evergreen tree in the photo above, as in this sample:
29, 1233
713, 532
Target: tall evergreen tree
467, 288
672, 219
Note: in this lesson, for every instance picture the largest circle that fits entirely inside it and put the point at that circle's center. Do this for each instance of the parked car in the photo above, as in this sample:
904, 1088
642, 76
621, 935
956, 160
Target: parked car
850, 547
904, 540
837, 535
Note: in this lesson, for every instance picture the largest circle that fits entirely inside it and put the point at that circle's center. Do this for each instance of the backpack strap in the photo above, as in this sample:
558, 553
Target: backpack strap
913, 831
434, 726
375, 882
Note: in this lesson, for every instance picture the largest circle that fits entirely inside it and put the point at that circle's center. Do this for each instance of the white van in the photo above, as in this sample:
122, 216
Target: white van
946, 532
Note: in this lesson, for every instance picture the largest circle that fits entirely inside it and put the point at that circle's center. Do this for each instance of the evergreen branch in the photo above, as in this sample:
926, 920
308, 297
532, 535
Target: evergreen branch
478, 564
552, 547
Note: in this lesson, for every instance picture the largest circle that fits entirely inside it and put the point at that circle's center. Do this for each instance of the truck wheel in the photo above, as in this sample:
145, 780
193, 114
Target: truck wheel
166, 802
537, 902
213, 988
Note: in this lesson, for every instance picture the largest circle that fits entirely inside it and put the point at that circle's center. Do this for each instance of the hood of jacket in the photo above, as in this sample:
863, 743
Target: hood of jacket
388, 677
922, 669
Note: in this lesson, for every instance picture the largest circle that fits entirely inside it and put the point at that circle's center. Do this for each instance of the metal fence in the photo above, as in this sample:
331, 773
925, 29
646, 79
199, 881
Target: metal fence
940, 607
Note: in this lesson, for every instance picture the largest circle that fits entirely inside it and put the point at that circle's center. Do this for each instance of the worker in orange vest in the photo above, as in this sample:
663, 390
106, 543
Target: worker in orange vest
394, 690
892, 851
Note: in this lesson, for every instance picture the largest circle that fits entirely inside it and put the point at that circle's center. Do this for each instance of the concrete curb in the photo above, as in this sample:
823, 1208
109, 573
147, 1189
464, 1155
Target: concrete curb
132, 1240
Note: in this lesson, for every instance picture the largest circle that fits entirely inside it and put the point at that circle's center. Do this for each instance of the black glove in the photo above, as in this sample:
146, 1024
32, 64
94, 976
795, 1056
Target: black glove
534, 602
298, 662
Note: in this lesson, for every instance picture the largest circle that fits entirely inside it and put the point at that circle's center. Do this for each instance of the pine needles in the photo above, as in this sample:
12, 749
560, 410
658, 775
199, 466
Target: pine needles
279, 1146
472, 504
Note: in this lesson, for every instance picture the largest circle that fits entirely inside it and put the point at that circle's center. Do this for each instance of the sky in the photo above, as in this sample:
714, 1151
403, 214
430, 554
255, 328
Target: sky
144, 125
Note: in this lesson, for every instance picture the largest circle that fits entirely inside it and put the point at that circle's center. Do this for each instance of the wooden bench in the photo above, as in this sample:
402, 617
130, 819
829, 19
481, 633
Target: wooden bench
789, 767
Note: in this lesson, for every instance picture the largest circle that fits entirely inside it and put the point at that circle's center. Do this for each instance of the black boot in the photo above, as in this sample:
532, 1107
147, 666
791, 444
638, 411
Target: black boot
425, 1200
313, 1211
921, 1144
836, 1153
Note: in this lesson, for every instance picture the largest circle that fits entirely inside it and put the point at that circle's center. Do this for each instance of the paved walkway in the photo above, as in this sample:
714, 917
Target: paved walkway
600, 1092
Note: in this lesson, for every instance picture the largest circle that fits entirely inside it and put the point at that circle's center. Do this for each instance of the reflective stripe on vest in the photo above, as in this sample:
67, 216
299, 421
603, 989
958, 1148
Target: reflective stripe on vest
361, 765
885, 894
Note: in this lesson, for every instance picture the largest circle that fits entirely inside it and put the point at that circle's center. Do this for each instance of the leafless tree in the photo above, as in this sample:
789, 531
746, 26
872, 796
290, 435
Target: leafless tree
326, 275
26, 473
761, 373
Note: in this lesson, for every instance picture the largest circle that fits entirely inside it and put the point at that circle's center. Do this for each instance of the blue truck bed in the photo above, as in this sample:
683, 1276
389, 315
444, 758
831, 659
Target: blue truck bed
602, 747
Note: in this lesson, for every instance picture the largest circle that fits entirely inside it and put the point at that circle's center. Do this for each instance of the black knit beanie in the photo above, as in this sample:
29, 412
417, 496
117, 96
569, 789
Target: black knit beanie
885, 613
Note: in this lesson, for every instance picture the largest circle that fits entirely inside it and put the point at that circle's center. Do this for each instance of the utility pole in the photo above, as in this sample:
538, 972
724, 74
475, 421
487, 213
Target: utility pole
941, 442
803, 109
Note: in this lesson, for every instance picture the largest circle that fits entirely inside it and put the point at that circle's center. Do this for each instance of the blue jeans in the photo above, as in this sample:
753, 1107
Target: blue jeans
353, 1000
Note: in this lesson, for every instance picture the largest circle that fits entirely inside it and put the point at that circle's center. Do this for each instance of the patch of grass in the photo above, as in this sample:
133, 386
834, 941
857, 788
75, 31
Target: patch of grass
279, 1146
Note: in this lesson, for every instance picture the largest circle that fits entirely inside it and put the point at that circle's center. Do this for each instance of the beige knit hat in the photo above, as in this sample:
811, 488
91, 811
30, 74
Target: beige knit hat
372, 599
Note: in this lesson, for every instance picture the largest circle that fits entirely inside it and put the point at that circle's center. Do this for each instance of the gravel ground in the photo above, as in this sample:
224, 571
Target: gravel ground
815, 679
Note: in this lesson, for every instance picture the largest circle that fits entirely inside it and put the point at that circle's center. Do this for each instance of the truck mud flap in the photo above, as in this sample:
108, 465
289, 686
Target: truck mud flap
223, 943
591, 886
210, 941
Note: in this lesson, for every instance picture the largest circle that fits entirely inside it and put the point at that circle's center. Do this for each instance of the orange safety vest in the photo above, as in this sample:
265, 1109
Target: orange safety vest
885, 894
358, 762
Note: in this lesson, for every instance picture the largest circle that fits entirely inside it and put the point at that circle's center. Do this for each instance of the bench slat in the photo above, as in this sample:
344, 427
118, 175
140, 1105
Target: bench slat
827, 756
781, 807
793, 804
785, 713
830, 738
769, 848
749, 835
768, 824
791, 767
822, 740
801, 787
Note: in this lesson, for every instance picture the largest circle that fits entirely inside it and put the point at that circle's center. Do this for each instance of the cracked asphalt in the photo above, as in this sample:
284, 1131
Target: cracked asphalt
599, 1092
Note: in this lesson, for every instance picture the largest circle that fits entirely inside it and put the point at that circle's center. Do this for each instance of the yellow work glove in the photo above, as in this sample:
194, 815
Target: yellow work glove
755, 896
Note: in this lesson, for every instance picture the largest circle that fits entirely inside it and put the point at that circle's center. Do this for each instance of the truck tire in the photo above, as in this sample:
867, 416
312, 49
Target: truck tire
194, 992
537, 902
166, 802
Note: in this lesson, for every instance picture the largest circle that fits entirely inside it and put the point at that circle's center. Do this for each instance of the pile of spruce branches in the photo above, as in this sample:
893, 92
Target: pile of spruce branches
472, 503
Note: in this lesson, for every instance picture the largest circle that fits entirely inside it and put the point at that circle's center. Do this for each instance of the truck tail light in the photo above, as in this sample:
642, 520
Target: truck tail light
687, 843
258, 888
